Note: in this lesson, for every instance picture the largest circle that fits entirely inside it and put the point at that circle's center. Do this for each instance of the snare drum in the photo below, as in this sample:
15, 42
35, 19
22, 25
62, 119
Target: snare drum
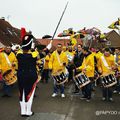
81, 80
109, 80
60, 78
10, 77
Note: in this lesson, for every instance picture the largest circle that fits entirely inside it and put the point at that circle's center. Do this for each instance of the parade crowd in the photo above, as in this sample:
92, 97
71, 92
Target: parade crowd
86, 68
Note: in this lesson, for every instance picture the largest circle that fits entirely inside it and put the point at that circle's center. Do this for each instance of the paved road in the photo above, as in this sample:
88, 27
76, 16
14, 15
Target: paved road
68, 108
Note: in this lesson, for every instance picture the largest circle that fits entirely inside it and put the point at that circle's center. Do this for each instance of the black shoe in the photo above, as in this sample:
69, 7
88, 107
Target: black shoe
5, 95
35, 95
23, 115
76, 92
93, 90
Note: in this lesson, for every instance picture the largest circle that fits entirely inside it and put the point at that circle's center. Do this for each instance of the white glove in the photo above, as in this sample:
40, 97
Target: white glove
49, 45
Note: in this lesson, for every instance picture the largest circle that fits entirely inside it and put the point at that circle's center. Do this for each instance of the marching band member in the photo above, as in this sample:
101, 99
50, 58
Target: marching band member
8, 61
87, 68
70, 55
98, 56
106, 66
27, 75
58, 62
97, 74
117, 62
78, 59
45, 73
93, 52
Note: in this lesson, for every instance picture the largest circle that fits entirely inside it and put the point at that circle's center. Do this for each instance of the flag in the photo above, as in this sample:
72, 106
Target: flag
103, 36
114, 25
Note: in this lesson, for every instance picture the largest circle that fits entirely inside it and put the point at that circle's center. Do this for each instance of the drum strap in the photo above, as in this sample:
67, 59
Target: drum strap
84, 62
105, 62
7, 59
58, 59
66, 71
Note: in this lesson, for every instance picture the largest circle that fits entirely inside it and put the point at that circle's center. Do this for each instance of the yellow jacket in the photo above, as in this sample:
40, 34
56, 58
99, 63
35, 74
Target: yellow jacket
105, 70
4, 64
56, 61
119, 63
46, 62
88, 65
98, 55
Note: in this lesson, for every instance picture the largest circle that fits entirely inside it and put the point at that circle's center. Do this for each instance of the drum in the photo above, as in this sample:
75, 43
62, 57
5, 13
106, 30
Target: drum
60, 78
81, 80
109, 80
10, 77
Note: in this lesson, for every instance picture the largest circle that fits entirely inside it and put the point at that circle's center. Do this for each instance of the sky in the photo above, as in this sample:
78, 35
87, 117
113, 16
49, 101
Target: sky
42, 16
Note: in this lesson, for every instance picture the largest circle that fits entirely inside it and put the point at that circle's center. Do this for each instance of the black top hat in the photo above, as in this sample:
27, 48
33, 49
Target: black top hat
27, 42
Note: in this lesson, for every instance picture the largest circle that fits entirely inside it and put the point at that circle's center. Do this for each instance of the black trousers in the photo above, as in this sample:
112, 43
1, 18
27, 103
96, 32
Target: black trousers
107, 92
26, 82
45, 75
87, 90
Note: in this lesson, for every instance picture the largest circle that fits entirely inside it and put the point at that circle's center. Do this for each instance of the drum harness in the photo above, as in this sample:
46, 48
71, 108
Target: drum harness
7, 59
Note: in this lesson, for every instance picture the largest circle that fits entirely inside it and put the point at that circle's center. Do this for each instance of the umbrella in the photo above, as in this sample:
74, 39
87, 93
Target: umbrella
46, 36
66, 33
63, 35
78, 35
93, 31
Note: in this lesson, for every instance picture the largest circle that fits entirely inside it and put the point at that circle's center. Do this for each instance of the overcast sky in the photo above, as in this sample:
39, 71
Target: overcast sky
42, 16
